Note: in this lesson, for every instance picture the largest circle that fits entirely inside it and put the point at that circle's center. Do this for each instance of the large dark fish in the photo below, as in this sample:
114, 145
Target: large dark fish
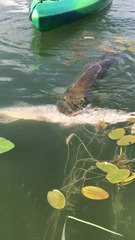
78, 94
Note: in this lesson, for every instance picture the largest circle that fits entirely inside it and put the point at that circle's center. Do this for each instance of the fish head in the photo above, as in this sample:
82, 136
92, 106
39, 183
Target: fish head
73, 100
64, 108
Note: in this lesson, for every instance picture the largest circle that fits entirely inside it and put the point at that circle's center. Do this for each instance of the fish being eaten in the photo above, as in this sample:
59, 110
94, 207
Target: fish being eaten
50, 113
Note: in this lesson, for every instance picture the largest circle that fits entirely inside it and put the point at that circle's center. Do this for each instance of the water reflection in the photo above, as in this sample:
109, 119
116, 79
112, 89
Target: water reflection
43, 42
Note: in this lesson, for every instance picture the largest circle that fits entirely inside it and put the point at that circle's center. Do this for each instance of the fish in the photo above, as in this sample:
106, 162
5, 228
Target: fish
78, 95
50, 113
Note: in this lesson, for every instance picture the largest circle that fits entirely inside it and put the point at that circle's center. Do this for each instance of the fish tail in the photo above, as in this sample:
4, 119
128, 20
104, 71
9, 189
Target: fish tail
6, 119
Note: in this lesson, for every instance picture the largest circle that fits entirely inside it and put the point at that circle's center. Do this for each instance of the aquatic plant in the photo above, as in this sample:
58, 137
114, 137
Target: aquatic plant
87, 223
117, 171
121, 44
5, 145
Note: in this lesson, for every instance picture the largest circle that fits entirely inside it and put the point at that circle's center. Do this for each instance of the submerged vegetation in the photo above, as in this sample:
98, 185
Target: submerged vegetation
89, 177
118, 171
122, 44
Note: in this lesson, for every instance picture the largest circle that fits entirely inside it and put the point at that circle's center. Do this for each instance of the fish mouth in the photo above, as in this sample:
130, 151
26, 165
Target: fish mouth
67, 108
72, 102
71, 106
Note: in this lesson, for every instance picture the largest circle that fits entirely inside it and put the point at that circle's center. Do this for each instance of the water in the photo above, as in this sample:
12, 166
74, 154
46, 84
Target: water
34, 69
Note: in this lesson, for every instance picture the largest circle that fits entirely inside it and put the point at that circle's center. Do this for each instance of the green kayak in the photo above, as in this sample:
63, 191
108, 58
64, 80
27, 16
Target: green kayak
50, 14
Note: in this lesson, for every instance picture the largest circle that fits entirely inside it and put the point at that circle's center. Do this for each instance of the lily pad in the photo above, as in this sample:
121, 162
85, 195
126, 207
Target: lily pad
121, 48
129, 180
118, 176
94, 193
126, 140
119, 39
5, 145
108, 49
56, 199
131, 49
106, 166
130, 42
116, 133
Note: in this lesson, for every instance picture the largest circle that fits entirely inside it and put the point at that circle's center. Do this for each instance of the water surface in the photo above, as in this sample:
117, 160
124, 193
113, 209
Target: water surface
34, 69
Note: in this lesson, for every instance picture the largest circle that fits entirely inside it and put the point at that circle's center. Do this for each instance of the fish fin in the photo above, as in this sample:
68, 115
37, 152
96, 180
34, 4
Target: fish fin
6, 119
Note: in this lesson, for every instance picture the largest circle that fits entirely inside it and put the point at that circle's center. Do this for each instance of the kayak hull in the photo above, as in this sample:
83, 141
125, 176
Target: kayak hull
48, 15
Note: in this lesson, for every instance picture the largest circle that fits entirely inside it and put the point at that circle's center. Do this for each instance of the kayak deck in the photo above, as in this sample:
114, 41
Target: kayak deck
50, 14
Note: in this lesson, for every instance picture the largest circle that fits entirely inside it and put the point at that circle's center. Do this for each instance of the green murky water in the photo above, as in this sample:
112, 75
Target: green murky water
34, 68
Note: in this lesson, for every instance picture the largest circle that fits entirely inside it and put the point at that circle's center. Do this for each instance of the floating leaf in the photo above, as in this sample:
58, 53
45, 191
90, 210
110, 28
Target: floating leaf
130, 42
116, 133
121, 48
56, 199
106, 166
108, 49
126, 140
131, 49
94, 193
128, 180
5, 145
68, 139
119, 39
118, 176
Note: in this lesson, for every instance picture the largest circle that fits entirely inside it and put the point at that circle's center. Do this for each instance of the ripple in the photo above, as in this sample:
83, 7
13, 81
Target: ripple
5, 79
18, 5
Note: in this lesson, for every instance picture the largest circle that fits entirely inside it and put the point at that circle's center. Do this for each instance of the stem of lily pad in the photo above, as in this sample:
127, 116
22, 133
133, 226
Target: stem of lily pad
121, 151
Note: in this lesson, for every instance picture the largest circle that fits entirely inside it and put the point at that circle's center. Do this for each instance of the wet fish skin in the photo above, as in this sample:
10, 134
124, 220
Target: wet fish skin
78, 94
